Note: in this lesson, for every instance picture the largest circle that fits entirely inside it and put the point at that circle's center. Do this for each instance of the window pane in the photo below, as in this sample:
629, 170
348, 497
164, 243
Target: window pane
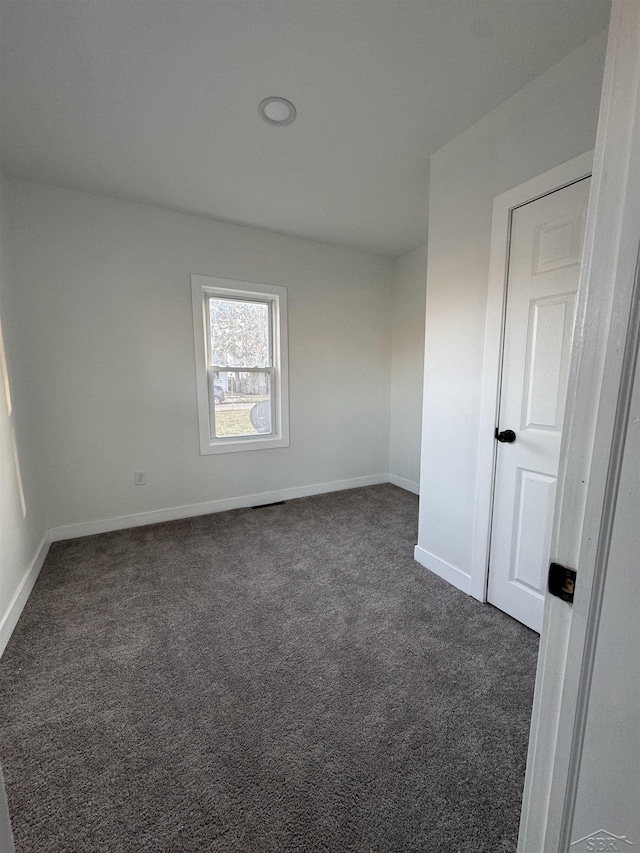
242, 403
239, 333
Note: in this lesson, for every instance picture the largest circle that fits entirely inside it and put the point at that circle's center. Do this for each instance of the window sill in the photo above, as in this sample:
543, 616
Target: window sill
236, 445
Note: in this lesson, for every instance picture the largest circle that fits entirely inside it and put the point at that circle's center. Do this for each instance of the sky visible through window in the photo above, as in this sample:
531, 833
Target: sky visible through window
239, 333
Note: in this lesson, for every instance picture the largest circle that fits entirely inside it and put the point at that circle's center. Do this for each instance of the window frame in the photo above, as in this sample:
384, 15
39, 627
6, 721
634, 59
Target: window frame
204, 287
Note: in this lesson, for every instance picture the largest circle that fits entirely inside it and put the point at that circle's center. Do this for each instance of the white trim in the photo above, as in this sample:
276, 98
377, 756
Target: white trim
122, 522
503, 205
544, 731
601, 563
201, 286
444, 570
407, 485
589, 442
16, 606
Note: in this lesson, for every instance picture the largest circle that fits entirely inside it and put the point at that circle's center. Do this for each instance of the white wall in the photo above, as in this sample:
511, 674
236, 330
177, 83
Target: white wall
550, 121
407, 359
106, 289
22, 522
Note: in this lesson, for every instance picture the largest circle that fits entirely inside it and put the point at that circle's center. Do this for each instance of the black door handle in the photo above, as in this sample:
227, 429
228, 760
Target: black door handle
507, 435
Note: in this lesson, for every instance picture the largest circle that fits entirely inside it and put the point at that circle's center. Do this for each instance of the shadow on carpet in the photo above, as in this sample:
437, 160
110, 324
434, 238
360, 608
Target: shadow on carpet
282, 679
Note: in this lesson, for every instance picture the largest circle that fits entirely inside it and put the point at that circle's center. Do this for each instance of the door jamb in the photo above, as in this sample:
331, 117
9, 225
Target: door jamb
598, 384
503, 205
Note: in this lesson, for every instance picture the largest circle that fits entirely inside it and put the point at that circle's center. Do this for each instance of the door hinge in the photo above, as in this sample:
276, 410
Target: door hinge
562, 582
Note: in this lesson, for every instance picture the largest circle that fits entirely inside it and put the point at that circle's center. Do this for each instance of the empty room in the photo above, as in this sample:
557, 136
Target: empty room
316, 339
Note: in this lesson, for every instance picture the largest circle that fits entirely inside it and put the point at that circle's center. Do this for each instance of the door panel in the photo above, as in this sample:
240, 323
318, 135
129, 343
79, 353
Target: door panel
542, 280
558, 243
534, 495
550, 324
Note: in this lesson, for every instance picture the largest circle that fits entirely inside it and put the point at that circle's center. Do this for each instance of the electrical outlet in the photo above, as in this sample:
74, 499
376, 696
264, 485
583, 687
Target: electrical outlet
140, 478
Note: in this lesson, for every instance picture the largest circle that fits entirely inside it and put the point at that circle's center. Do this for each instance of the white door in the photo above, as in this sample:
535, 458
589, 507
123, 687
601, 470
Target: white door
542, 280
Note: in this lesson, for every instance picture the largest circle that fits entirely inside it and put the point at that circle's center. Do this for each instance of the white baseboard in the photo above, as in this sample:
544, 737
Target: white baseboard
446, 571
407, 485
16, 606
89, 528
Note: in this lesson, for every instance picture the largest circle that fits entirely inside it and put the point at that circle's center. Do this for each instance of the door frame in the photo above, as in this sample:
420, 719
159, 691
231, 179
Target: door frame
555, 179
599, 391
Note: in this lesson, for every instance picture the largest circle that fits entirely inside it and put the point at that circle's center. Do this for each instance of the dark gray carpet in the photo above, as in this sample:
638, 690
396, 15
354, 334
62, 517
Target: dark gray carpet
282, 679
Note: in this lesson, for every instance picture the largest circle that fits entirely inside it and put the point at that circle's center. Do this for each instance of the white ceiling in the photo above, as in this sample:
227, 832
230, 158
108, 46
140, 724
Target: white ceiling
156, 101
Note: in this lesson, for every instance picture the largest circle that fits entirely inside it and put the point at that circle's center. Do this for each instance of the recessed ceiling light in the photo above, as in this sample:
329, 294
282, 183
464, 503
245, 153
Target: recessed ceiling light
277, 111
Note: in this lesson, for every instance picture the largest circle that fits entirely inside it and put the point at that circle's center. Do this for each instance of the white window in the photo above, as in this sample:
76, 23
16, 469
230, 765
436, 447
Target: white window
240, 333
